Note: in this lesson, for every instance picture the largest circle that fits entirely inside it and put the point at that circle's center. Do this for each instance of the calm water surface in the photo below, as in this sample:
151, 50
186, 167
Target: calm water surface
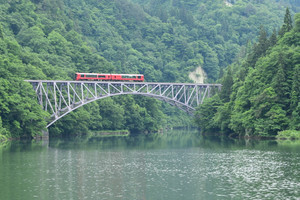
175, 165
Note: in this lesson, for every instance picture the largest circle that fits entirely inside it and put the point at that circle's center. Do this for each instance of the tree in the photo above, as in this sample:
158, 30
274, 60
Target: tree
295, 92
76, 122
263, 44
260, 48
222, 117
59, 45
34, 38
112, 114
288, 20
275, 120
287, 24
297, 22
273, 38
280, 82
295, 119
1, 32
204, 114
3, 131
227, 86
21, 114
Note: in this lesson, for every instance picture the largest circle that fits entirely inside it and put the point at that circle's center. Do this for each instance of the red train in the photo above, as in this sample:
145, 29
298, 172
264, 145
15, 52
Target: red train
109, 77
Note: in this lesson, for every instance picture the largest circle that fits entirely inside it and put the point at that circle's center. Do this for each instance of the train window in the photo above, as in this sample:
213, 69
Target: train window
91, 76
101, 76
82, 75
128, 76
139, 77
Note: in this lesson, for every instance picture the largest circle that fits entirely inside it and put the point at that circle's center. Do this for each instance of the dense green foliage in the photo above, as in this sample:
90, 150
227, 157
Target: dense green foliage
262, 98
20, 115
162, 39
288, 134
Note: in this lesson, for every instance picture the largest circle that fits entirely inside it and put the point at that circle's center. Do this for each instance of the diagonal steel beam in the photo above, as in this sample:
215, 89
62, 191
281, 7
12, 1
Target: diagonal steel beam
65, 96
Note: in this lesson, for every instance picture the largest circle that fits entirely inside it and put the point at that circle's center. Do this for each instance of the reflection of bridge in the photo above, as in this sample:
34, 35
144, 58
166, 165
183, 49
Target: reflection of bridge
61, 97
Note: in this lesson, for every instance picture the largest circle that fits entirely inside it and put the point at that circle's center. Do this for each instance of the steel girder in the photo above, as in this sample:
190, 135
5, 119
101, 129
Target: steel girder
61, 97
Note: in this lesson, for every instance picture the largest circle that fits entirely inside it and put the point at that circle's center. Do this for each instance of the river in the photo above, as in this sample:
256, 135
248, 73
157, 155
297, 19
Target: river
174, 165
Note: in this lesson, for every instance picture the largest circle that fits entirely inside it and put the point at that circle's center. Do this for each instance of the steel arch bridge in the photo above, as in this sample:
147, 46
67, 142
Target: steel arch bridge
62, 97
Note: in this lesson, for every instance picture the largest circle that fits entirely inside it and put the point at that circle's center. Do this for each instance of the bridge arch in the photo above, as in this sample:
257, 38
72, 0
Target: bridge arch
62, 97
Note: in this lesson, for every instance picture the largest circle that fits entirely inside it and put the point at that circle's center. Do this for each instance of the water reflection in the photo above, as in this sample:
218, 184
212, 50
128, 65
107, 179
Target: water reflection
173, 139
174, 165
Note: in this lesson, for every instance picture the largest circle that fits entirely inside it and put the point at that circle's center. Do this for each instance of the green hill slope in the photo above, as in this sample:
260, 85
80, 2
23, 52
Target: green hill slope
263, 97
164, 40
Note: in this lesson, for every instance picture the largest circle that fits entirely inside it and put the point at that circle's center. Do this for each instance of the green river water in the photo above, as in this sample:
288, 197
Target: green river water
179, 165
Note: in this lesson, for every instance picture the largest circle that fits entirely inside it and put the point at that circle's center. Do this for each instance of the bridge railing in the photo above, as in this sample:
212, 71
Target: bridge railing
61, 97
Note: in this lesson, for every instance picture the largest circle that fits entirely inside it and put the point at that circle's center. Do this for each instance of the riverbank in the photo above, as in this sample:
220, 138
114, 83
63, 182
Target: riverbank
288, 135
281, 135
108, 133
3, 139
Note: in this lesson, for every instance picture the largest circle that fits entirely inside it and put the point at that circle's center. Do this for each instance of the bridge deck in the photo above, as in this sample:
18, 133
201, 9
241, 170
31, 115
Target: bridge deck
118, 82
59, 97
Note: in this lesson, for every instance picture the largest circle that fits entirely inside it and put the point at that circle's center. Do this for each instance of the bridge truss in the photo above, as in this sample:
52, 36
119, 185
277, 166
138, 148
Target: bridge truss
62, 97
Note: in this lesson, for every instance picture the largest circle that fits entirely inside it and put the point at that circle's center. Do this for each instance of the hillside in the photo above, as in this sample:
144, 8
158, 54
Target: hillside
163, 39
261, 96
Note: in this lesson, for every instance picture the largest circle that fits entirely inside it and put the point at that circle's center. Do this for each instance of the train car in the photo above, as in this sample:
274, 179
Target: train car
109, 77
92, 77
127, 77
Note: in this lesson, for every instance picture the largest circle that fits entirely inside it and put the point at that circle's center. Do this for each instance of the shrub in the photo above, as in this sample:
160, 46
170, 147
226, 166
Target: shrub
289, 134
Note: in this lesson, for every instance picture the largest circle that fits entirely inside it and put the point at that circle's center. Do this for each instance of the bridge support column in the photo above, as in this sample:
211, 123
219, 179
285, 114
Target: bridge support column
44, 136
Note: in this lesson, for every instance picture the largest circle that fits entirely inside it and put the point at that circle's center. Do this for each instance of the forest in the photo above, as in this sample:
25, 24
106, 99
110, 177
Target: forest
162, 39
260, 94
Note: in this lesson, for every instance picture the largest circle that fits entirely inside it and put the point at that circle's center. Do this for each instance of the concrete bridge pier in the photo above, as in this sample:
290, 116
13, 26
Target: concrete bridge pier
45, 134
